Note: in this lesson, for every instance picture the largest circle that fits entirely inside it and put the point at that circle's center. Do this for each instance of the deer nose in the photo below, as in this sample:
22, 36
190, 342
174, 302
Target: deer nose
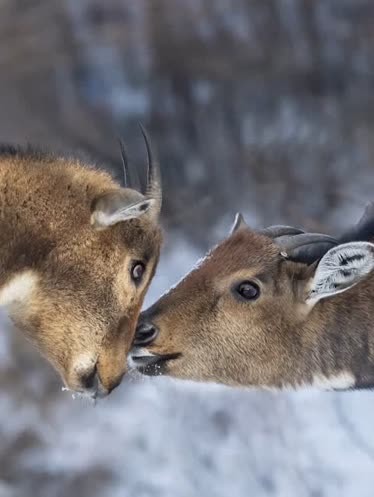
91, 385
90, 379
145, 334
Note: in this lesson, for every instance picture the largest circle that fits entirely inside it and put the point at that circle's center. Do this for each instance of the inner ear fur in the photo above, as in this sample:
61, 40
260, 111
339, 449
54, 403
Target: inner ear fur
117, 206
340, 269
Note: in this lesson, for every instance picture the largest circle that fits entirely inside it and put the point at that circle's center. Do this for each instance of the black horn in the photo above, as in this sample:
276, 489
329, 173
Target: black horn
296, 241
309, 247
280, 230
298, 246
305, 247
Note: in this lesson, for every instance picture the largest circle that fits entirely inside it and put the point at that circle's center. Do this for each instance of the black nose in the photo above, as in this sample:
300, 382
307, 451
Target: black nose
145, 334
90, 382
90, 379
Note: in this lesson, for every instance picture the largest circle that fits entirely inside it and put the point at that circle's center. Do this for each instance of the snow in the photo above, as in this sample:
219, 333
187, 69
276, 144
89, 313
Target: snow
160, 437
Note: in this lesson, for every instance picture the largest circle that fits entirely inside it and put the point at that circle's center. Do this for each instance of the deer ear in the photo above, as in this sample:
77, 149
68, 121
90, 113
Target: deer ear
341, 268
116, 207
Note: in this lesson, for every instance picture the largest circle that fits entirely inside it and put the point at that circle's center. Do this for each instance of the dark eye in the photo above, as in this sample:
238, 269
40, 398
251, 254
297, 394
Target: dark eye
247, 290
137, 271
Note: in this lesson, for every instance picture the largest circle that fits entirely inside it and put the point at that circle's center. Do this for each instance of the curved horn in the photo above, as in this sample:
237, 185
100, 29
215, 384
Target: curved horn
125, 163
308, 254
280, 230
297, 245
153, 173
305, 247
293, 242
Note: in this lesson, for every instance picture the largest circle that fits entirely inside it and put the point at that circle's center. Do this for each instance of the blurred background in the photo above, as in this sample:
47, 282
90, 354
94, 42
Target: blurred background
261, 105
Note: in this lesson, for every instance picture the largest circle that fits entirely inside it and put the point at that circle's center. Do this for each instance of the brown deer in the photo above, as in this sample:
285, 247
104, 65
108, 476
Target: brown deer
252, 314
77, 253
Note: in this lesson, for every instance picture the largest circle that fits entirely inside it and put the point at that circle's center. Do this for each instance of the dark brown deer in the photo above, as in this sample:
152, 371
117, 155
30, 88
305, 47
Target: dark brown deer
77, 253
252, 314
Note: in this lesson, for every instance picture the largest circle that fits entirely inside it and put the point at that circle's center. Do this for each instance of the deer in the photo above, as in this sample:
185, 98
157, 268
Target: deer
275, 308
77, 253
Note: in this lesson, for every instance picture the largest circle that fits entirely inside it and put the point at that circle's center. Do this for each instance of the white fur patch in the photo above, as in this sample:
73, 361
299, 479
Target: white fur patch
340, 381
85, 362
18, 289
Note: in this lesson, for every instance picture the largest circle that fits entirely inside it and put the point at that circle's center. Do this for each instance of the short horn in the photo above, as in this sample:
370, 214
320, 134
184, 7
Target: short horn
292, 242
308, 254
305, 247
280, 230
153, 173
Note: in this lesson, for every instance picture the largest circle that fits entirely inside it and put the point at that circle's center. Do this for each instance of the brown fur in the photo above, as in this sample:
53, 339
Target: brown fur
274, 341
85, 304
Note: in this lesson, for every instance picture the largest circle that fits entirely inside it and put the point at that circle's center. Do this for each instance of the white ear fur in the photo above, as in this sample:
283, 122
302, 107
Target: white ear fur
105, 218
341, 268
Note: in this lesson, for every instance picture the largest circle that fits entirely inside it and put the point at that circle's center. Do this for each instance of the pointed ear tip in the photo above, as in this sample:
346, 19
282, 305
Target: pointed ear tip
239, 223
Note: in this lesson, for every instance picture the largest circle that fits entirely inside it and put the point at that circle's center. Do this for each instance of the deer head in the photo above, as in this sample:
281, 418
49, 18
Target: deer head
77, 254
251, 314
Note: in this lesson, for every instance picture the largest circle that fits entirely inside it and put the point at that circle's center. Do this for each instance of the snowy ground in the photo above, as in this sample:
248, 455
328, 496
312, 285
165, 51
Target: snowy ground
158, 437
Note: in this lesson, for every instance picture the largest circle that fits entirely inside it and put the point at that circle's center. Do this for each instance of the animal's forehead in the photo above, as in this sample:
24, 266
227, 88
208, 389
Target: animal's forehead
141, 237
243, 249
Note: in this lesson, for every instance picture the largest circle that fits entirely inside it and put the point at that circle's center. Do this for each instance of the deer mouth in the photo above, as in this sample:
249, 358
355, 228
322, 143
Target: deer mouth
148, 363
92, 394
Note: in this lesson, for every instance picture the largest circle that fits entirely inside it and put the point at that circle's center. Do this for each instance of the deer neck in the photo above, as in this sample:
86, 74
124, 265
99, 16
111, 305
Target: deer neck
338, 340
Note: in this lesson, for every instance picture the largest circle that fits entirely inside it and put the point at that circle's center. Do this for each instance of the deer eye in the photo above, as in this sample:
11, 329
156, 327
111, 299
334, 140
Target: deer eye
137, 271
247, 290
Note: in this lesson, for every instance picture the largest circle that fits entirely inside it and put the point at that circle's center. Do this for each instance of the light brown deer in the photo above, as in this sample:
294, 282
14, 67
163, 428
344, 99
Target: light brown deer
77, 253
251, 314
